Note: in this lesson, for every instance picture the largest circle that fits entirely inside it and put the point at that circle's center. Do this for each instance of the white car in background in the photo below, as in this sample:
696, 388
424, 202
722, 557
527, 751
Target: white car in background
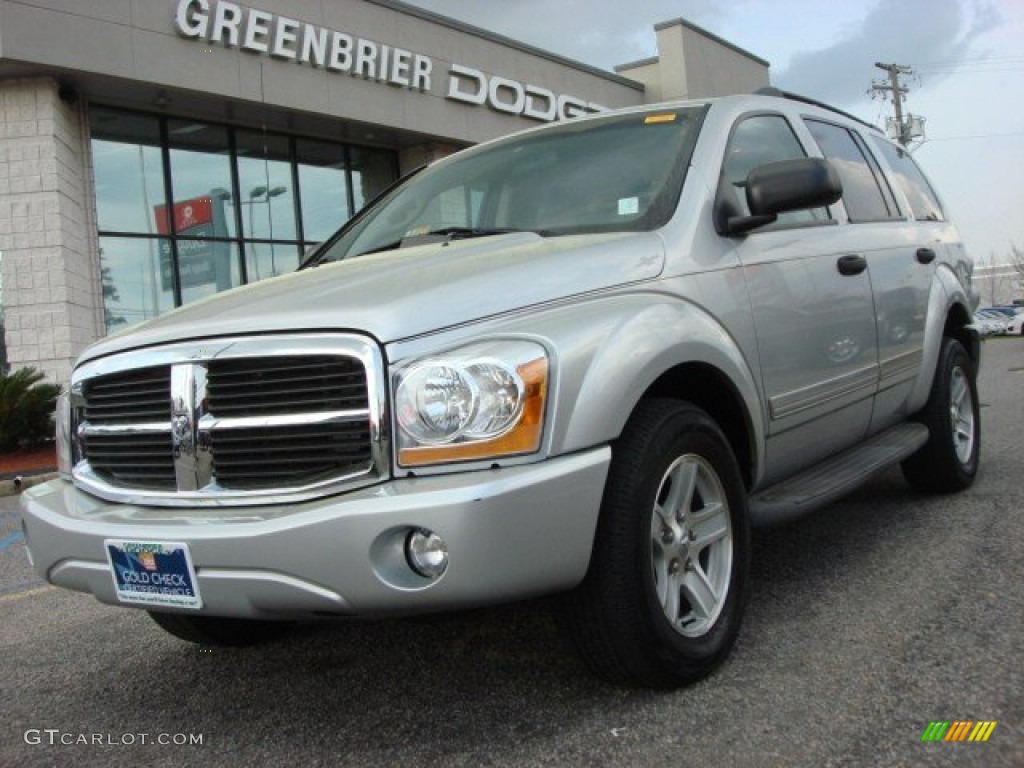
990, 323
1016, 324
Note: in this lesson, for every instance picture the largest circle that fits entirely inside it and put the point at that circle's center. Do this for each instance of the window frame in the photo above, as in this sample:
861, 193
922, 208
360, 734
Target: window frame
882, 143
777, 225
885, 192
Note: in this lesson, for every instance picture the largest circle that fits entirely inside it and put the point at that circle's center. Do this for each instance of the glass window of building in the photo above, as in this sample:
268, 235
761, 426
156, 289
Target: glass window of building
129, 171
267, 203
136, 278
187, 208
323, 179
372, 171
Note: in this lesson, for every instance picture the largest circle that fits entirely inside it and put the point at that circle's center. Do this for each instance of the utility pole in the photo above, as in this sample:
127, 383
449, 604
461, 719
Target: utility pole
904, 130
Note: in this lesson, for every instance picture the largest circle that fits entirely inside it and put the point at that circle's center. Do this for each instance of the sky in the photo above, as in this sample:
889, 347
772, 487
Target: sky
968, 57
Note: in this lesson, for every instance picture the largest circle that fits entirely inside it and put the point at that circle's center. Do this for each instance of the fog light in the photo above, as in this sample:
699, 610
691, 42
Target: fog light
427, 553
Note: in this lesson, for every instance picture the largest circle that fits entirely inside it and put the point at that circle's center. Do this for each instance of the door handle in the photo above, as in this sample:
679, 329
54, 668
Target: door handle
851, 264
925, 255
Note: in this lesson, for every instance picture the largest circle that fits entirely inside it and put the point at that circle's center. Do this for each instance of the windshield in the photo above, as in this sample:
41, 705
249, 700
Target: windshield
613, 174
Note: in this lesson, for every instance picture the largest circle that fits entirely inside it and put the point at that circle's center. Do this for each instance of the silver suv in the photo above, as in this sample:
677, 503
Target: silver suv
582, 359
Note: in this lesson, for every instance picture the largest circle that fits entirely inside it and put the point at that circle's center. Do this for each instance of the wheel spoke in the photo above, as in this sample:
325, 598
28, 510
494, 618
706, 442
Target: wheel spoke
709, 531
670, 598
660, 580
700, 593
712, 510
958, 389
683, 480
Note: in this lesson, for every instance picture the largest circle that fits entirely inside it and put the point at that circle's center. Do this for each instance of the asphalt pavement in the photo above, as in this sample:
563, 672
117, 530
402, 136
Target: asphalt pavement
873, 618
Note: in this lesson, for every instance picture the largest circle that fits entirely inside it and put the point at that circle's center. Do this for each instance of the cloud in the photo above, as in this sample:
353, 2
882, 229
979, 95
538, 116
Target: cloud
909, 32
602, 34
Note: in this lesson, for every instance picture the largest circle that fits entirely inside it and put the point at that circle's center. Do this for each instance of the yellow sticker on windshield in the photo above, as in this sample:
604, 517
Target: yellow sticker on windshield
659, 119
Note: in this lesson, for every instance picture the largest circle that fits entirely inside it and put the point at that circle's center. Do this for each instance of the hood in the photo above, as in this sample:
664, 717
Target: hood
410, 291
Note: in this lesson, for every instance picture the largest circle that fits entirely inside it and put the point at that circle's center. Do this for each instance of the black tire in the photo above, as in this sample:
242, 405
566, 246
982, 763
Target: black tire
948, 462
217, 630
619, 623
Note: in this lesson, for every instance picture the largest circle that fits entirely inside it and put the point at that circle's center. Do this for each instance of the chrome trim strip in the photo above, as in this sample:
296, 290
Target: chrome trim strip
142, 428
190, 425
207, 423
788, 403
900, 368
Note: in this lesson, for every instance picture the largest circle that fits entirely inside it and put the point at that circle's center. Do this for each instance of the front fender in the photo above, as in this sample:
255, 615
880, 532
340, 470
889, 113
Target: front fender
607, 351
639, 340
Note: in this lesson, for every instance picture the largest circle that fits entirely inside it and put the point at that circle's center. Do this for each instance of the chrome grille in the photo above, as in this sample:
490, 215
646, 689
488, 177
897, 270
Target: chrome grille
238, 421
115, 406
285, 385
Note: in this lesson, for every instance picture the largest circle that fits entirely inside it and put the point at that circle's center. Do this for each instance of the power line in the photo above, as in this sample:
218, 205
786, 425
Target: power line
959, 62
979, 136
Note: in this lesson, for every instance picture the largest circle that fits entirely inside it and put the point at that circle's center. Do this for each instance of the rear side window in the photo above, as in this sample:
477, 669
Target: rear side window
759, 140
865, 194
923, 202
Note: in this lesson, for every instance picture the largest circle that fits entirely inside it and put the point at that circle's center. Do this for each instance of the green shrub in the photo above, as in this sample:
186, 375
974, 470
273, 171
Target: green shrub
26, 409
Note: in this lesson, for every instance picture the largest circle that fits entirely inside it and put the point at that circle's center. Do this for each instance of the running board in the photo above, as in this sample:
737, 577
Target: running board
826, 482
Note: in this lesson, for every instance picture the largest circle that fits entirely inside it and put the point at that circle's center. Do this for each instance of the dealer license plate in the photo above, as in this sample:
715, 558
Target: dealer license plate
153, 573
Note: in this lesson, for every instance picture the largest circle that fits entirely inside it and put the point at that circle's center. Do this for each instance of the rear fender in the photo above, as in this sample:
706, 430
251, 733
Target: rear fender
947, 301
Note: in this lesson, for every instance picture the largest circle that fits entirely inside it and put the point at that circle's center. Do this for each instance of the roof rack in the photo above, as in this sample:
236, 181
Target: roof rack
771, 90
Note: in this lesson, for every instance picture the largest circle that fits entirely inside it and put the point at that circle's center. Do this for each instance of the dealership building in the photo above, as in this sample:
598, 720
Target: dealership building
154, 152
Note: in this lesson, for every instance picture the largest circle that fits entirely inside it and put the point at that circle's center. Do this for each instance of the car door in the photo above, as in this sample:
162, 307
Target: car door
811, 304
901, 258
903, 280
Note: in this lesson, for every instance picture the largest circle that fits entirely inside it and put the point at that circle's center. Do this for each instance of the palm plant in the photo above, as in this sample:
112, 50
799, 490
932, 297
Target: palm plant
27, 405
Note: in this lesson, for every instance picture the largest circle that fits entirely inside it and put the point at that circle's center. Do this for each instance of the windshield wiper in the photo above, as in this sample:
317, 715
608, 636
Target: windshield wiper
464, 233
444, 235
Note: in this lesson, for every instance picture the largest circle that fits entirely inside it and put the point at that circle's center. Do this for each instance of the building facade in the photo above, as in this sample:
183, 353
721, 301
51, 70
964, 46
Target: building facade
154, 152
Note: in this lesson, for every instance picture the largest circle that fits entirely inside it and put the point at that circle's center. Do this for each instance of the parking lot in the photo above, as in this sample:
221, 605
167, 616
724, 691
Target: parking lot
868, 621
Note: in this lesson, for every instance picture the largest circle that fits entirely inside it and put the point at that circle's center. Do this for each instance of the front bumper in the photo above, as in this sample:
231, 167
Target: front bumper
511, 533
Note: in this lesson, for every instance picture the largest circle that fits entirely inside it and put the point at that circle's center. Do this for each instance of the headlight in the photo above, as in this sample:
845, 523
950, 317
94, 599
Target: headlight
479, 402
63, 420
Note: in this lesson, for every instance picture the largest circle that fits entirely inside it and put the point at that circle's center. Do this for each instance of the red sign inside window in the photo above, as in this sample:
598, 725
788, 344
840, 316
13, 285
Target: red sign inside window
188, 214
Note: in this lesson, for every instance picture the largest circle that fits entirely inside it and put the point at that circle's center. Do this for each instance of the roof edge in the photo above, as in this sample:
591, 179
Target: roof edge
634, 64
711, 36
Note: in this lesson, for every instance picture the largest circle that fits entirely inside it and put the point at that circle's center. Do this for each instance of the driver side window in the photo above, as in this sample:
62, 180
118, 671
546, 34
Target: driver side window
759, 140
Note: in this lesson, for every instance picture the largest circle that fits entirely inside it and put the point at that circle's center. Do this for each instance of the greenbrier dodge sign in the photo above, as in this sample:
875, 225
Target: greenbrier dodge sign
235, 26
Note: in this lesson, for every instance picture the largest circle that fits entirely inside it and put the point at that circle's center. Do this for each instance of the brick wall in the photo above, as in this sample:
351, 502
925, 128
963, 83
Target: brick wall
48, 261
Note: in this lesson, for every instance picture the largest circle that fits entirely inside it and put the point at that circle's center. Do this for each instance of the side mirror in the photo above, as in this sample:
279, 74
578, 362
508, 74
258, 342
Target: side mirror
790, 185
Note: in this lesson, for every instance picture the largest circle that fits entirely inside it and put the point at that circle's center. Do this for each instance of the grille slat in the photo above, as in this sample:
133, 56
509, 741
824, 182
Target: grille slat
346, 457
279, 406
256, 457
133, 396
338, 375
245, 457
